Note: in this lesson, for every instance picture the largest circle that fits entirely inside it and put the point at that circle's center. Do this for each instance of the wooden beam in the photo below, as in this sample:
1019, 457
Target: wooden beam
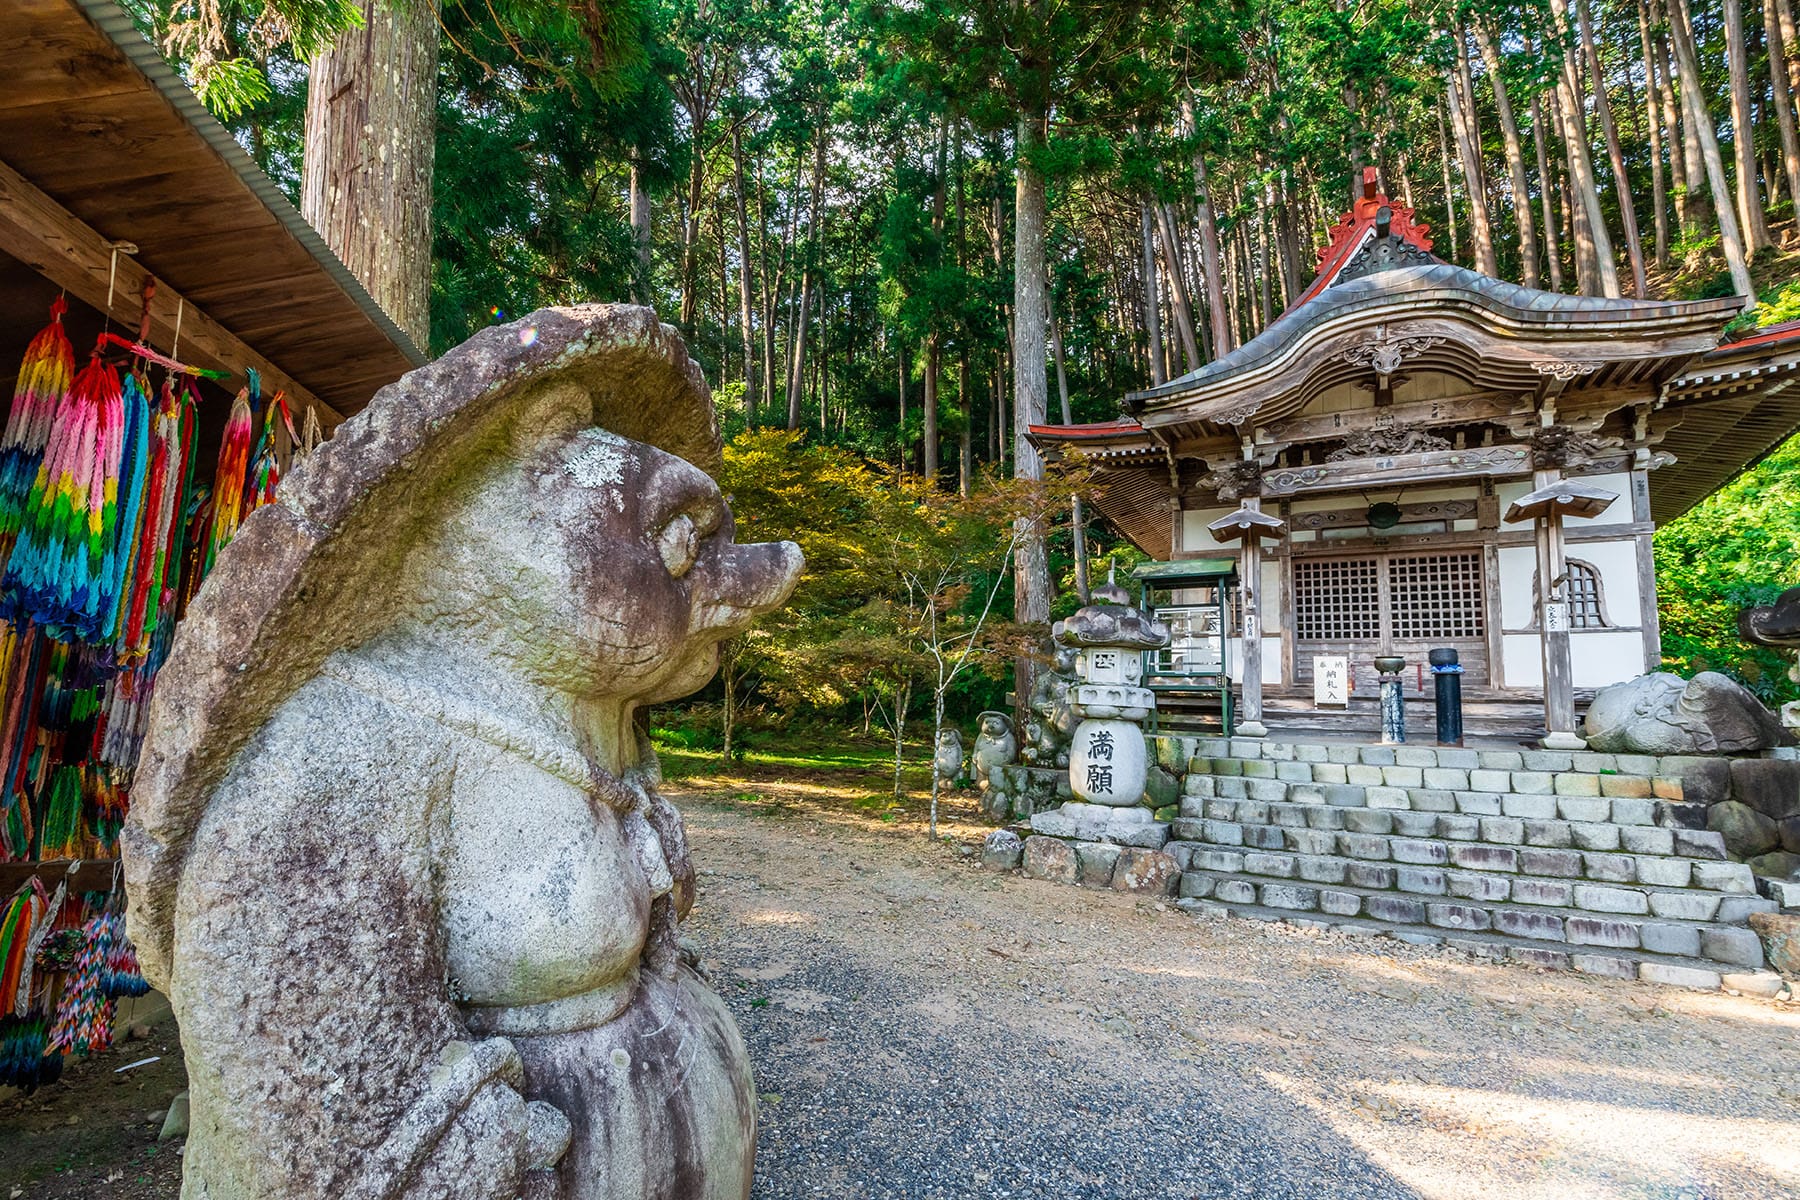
1423, 468
57, 245
1460, 410
83, 875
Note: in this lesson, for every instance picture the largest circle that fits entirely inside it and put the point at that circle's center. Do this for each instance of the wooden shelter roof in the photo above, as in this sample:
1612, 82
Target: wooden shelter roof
101, 139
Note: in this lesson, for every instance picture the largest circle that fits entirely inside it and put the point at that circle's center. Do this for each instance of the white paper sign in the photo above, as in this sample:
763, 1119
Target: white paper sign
1556, 617
1331, 681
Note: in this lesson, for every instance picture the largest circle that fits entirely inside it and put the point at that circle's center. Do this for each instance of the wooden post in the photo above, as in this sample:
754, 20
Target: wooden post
1553, 627
1250, 593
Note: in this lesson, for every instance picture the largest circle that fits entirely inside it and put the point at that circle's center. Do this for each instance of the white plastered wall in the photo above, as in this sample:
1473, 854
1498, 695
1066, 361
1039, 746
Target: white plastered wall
1597, 657
1197, 540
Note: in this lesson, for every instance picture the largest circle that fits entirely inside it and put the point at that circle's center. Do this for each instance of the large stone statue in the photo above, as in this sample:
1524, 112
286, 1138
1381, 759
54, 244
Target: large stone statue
1662, 713
396, 853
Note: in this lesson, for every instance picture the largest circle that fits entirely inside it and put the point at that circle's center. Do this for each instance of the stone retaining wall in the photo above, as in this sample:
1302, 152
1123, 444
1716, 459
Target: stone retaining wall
1592, 862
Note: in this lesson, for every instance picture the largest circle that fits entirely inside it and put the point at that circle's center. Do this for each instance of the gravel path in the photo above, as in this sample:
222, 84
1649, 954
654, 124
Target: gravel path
921, 1028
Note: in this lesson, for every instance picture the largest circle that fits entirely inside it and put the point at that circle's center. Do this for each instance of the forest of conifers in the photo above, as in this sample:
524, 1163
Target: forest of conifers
905, 225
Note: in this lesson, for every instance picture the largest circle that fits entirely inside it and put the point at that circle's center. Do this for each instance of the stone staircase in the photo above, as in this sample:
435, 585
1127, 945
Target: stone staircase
1574, 861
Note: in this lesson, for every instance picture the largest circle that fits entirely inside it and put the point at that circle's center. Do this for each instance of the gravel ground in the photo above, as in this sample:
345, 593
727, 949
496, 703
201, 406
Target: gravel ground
921, 1028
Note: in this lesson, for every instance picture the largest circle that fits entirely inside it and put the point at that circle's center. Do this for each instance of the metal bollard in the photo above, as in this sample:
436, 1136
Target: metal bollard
1393, 699
1446, 675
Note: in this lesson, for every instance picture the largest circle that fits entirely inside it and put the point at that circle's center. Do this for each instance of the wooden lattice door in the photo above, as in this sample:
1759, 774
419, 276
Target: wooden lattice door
1402, 604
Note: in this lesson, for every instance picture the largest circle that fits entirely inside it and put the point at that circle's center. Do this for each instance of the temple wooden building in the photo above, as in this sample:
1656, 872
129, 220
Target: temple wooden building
1417, 456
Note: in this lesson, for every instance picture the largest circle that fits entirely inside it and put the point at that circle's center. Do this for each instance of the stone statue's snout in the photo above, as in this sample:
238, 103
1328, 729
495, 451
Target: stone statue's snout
733, 584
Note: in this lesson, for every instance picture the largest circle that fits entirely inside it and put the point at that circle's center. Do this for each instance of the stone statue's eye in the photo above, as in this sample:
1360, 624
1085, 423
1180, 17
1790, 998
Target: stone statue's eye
679, 544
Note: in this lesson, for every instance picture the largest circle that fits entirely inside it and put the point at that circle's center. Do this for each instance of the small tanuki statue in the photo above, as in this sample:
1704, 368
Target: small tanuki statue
948, 761
1048, 735
396, 853
995, 746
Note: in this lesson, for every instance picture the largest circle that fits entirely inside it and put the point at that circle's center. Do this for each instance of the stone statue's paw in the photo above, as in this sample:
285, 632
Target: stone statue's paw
667, 1095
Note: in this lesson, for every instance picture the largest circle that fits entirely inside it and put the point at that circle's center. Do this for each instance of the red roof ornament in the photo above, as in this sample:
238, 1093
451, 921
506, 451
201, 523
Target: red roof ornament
1366, 213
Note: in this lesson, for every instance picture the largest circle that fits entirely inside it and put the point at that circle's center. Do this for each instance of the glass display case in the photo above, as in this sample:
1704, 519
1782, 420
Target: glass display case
1194, 598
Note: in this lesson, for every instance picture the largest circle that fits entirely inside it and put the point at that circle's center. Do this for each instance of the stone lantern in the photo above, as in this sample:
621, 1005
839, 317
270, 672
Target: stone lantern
1108, 763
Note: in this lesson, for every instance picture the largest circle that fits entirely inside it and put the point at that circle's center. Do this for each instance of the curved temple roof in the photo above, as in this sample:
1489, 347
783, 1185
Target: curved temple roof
1384, 306
1435, 315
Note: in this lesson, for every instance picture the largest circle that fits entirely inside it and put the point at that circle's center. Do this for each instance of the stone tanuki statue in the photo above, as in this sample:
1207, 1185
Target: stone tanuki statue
396, 852
995, 746
948, 761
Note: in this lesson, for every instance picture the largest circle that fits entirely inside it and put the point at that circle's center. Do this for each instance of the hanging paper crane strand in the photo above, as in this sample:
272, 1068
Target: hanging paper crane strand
265, 468
43, 384
140, 601
57, 569
228, 482
123, 549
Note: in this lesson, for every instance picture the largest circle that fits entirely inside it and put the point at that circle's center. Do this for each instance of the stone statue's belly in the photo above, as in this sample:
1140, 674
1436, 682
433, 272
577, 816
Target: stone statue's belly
542, 900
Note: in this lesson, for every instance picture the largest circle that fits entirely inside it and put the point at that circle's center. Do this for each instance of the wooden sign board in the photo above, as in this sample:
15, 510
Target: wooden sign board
1331, 681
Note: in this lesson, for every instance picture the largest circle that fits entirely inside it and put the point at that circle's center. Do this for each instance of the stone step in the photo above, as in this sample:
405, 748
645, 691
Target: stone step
1622, 811
1571, 785
1176, 751
1563, 930
1622, 964
1720, 892
1680, 846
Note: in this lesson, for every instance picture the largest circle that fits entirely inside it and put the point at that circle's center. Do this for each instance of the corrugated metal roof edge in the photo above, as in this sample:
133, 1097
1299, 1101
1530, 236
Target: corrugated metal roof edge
117, 25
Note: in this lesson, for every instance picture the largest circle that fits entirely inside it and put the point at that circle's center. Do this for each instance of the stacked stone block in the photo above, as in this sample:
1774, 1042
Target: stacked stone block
1582, 861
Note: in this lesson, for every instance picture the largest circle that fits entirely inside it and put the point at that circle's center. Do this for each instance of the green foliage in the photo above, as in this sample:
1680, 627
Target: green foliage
894, 571
1737, 548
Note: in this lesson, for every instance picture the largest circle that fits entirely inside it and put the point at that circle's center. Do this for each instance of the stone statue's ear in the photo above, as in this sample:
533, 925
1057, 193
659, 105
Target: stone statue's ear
552, 411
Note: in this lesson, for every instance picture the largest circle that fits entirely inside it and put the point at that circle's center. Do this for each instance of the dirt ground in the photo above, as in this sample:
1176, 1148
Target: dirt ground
93, 1133
1295, 1063
921, 1028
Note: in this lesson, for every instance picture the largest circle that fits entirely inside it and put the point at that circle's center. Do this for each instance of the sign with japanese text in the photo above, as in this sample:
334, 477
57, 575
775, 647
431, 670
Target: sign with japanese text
1331, 681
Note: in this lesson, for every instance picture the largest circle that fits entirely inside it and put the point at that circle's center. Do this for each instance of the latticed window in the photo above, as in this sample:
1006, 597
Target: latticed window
1583, 591
1436, 596
1337, 599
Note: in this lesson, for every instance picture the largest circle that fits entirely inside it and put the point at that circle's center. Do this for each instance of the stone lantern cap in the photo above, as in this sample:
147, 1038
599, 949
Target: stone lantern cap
1118, 625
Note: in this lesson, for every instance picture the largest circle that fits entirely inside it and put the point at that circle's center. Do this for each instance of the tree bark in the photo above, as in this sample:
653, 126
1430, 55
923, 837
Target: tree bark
1178, 292
904, 369
1749, 202
796, 373
1468, 152
1783, 100
744, 305
1077, 522
934, 355
1449, 186
1659, 193
965, 438
1687, 170
1031, 570
1515, 157
1552, 238
1206, 220
1152, 303
1460, 94
1688, 64
1593, 244
1634, 246
365, 185
640, 234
